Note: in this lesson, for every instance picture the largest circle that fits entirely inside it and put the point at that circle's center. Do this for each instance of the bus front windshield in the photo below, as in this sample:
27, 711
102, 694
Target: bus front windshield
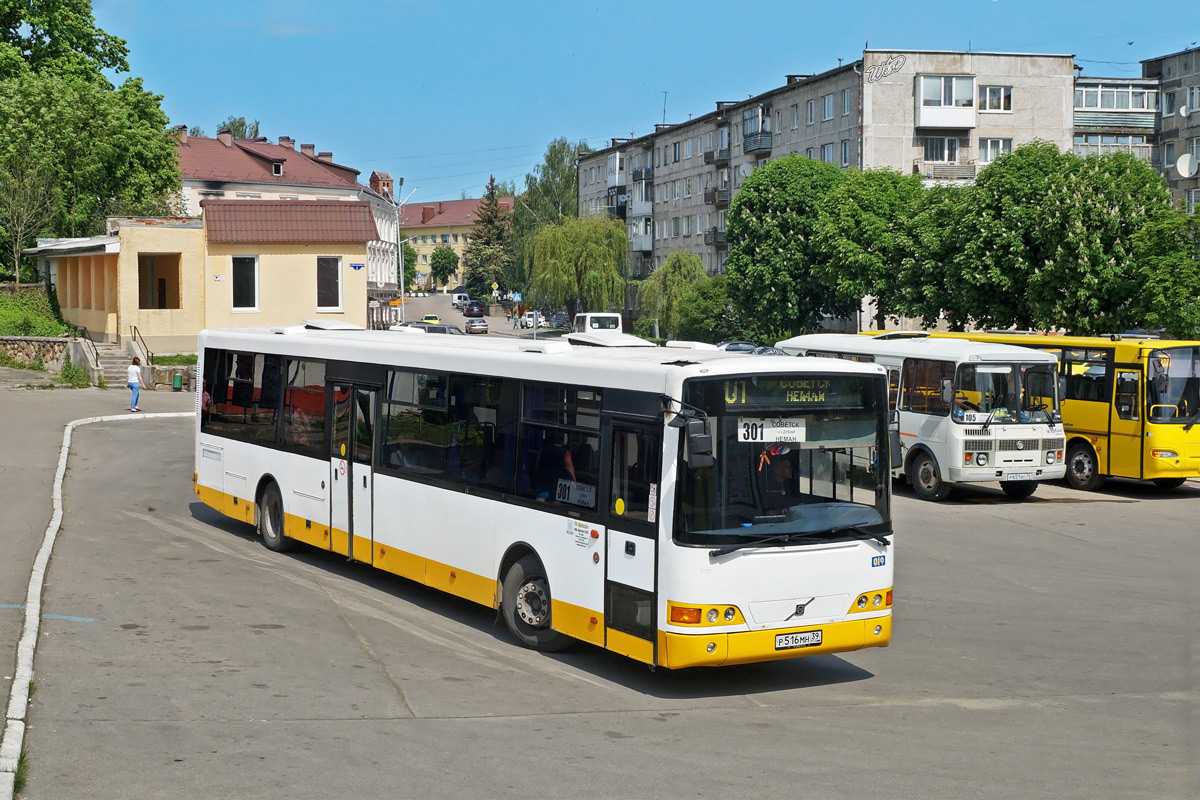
1174, 385
797, 459
1005, 393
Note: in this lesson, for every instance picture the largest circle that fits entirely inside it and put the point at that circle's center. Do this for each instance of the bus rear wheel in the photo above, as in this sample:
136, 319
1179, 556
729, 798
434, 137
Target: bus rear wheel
1018, 490
927, 480
525, 606
270, 519
1083, 469
1169, 483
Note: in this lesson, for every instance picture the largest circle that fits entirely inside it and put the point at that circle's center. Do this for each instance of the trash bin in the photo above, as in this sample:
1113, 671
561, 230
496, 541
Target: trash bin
177, 382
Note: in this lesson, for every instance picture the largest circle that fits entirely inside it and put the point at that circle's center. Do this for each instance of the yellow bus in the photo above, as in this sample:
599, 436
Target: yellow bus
1130, 404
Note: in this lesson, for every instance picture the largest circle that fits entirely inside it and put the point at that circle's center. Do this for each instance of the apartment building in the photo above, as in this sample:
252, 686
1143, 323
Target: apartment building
940, 114
427, 226
1178, 78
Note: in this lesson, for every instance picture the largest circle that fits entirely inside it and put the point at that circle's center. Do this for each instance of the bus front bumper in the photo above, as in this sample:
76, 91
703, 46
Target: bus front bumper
678, 650
985, 474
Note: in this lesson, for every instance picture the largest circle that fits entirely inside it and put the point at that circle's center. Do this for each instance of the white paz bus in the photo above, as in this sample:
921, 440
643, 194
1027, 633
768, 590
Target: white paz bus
683, 507
965, 411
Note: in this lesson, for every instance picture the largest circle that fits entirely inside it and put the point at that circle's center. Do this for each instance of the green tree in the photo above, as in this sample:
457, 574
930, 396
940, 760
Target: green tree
666, 289
442, 264
489, 253
576, 263
196, 131
551, 193
409, 255
1169, 249
26, 203
707, 313
1054, 245
859, 239
503, 189
59, 38
239, 128
770, 229
929, 285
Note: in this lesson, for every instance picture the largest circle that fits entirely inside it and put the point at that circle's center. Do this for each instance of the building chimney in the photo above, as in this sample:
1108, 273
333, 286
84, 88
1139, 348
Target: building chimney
427, 213
441, 208
225, 137
181, 134
288, 142
308, 149
325, 156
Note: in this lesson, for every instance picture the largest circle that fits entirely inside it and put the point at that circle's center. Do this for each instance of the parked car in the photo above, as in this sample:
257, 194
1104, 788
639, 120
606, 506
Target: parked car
737, 347
459, 299
432, 319
560, 320
477, 325
533, 319
439, 328
770, 351
473, 309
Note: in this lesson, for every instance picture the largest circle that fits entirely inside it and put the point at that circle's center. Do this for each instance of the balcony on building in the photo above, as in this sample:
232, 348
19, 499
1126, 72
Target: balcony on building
945, 170
718, 157
1103, 144
717, 197
714, 237
945, 101
757, 143
641, 243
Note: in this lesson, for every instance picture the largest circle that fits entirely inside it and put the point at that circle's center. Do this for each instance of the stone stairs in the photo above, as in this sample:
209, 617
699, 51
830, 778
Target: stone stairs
113, 361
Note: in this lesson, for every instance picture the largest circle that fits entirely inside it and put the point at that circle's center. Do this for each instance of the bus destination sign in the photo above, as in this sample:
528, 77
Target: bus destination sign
794, 392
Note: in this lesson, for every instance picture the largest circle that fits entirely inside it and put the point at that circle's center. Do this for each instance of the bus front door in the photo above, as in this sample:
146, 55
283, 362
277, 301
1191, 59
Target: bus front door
1125, 436
634, 456
350, 475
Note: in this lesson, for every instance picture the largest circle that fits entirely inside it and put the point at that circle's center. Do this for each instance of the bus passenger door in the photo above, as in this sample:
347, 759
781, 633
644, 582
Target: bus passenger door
350, 473
1125, 439
631, 516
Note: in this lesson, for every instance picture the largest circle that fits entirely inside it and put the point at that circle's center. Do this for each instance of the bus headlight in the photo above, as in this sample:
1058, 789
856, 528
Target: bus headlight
981, 459
1049, 456
1164, 454
712, 615
730, 613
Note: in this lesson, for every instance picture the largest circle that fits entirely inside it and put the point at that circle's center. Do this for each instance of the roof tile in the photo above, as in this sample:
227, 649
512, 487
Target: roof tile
288, 221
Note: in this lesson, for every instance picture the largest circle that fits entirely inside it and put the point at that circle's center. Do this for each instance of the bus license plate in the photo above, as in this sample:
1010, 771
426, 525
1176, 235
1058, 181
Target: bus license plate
790, 641
1019, 476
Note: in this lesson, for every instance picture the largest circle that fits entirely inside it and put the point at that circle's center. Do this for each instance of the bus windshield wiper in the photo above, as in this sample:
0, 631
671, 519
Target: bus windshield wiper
791, 537
1192, 420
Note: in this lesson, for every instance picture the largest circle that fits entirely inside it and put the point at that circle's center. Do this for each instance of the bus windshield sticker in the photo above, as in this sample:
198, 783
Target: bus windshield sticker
759, 429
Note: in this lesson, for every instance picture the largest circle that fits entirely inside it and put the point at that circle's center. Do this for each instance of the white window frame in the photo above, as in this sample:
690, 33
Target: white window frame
845, 152
687, 147
1002, 94
254, 309
795, 116
846, 106
827, 153
1192, 200
946, 148
992, 148
1193, 98
340, 285
1192, 147
827, 107
948, 87
812, 111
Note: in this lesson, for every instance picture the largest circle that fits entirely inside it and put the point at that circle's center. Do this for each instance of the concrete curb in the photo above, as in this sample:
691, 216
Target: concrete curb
18, 701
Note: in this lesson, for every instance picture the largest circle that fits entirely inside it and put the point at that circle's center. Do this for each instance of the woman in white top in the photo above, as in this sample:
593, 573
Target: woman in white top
134, 373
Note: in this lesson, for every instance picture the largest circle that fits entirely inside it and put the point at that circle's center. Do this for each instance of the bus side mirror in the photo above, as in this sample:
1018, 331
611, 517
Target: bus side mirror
699, 445
947, 392
1062, 388
1161, 384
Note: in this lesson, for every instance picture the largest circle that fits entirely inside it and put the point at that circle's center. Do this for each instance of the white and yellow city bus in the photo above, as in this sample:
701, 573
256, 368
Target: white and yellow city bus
966, 412
680, 506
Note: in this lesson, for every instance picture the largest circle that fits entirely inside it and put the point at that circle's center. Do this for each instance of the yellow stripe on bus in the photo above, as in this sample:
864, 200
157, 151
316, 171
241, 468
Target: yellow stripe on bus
691, 650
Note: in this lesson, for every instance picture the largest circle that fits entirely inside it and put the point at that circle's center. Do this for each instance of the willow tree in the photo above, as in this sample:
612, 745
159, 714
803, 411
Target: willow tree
576, 263
667, 288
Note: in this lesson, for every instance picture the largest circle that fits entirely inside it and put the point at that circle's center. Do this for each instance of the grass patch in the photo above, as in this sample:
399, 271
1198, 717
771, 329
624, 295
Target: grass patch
22, 773
73, 376
178, 360
29, 313
15, 363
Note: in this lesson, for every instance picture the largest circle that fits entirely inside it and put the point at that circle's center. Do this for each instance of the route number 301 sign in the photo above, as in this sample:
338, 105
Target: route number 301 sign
757, 429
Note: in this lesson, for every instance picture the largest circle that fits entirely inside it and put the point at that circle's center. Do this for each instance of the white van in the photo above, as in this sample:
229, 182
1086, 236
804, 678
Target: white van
459, 300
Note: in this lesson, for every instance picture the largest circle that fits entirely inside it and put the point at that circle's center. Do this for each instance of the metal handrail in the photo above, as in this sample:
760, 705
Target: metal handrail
137, 337
82, 333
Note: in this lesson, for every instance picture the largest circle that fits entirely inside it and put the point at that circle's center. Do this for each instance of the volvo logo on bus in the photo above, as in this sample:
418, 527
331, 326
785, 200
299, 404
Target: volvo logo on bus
799, 612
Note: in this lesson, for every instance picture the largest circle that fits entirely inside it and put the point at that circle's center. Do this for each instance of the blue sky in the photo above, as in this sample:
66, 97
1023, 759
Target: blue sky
445, 93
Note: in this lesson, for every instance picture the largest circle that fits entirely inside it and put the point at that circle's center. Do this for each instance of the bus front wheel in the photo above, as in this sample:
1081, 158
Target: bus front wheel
1019, 490
927, 478
525, 606
1083, 469
270, 519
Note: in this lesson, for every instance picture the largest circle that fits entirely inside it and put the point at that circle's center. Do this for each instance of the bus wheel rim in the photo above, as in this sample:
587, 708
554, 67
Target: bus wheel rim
533, 603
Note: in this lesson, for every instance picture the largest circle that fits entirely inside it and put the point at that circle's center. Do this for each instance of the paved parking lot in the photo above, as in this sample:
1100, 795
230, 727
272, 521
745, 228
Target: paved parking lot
1041, 649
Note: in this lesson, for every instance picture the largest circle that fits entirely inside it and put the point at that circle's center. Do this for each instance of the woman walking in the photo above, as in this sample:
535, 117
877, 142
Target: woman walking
134, 373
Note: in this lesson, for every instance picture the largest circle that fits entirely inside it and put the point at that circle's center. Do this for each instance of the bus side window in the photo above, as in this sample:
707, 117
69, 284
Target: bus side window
1126, 396
922, 382
893, 388
1086, 372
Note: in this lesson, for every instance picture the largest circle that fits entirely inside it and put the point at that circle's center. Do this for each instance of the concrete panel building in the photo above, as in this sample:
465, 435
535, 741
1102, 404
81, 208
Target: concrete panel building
1178, 76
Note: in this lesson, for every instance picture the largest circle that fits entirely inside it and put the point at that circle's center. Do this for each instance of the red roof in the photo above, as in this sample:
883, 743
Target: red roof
457, 213
252, 161
288, 221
